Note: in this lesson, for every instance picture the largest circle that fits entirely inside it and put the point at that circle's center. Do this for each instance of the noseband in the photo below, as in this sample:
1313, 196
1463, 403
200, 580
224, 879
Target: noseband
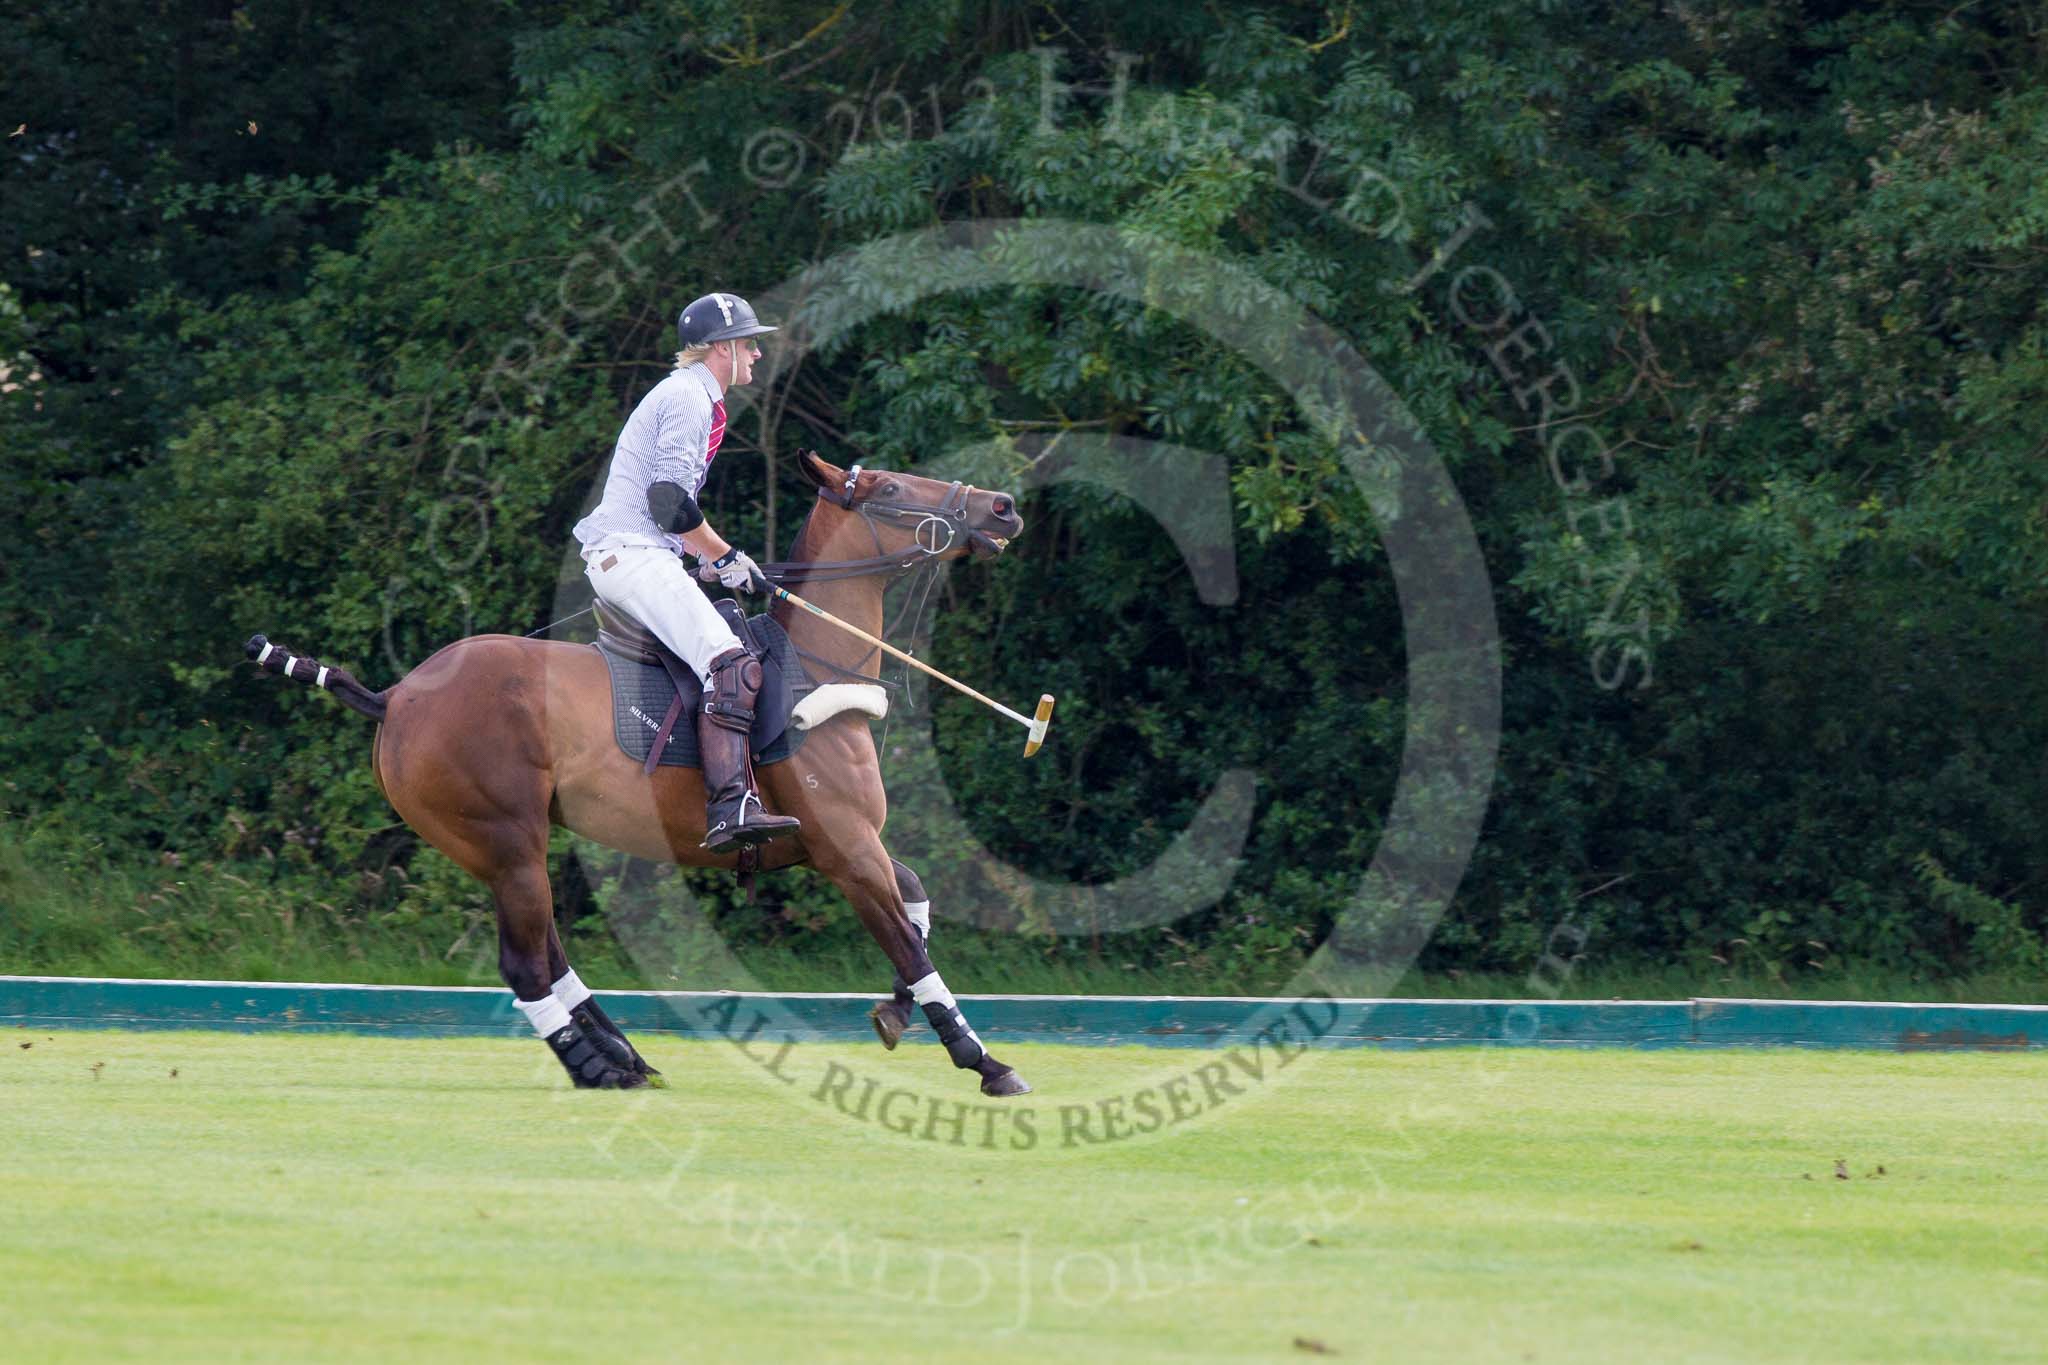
935, 529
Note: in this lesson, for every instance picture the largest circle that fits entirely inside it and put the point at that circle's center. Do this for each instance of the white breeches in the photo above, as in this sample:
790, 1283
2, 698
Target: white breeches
655, 588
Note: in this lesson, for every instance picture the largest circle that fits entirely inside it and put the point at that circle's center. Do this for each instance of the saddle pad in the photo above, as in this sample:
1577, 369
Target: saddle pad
641, 694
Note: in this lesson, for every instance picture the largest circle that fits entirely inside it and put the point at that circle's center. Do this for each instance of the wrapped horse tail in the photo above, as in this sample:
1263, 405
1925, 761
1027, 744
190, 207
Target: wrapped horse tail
299, 668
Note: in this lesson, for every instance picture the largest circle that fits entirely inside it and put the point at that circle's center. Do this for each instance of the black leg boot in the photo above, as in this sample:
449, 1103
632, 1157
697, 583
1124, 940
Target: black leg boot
733, 816
588, 1064
591, 1020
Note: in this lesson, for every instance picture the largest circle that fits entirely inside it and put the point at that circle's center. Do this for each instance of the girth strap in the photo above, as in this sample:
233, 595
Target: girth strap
676, 674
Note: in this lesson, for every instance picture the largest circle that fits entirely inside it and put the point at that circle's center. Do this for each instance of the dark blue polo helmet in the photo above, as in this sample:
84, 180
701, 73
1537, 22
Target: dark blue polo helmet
718, 317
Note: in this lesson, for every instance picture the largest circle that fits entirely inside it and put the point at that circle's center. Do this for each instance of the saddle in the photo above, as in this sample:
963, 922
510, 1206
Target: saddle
655, 695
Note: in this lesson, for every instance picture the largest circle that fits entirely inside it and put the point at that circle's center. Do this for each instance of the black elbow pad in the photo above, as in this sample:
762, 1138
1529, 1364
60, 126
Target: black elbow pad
672, 508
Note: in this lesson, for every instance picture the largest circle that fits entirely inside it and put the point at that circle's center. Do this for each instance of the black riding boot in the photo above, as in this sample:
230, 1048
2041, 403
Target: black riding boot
733, 816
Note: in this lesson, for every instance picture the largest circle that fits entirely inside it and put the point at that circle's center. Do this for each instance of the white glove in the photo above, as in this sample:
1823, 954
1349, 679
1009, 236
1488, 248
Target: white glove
735, 569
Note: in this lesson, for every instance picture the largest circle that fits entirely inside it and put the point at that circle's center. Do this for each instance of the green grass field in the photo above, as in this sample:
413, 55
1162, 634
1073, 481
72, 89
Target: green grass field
225, 1197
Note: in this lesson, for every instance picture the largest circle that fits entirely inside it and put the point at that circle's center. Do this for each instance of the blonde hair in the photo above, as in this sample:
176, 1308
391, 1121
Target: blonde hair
690, 355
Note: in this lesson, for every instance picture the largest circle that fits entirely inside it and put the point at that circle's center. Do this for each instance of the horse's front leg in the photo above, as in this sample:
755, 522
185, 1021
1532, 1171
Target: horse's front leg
867, 875
892, 1017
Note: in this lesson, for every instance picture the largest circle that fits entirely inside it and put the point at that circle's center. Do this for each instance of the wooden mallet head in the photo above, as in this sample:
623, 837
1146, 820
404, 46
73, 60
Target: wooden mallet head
1039, 721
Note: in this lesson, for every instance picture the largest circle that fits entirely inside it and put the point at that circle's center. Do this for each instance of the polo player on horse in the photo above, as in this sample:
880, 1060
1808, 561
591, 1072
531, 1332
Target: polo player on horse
495, 740
632, 543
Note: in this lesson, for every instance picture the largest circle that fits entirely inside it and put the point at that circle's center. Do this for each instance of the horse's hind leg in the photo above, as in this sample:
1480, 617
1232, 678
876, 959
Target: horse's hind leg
589, 1016
526, 917
464, 757
892, 1017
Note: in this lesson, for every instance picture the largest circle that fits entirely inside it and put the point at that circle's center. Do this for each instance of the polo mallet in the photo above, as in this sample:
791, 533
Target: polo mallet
1036, 724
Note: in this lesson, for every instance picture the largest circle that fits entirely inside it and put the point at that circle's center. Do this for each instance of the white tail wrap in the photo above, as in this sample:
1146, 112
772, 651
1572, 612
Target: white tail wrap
265, 655
320, 678
289, 660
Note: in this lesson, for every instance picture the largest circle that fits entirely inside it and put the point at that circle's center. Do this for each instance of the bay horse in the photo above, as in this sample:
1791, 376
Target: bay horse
497, 738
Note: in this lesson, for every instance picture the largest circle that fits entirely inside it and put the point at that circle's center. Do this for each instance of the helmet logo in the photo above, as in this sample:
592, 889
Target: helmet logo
723, 307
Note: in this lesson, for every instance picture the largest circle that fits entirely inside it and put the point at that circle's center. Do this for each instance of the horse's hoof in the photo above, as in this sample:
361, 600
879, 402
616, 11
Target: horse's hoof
890, 1018
1004, 1083
610, 1078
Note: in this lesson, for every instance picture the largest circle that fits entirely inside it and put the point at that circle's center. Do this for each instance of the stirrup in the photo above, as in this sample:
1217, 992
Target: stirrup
741, 832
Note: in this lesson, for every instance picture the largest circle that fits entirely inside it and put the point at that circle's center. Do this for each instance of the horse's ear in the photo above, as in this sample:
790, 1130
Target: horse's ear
818, 472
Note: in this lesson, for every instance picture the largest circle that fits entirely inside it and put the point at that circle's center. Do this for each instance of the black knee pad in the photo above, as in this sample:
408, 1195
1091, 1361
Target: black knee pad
730, 691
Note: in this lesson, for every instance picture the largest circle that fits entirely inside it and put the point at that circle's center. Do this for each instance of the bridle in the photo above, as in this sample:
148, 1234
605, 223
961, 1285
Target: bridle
935, 529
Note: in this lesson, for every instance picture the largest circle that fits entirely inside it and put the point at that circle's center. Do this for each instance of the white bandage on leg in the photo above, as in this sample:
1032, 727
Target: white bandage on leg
570, 990
920, 913
929, 988
547, 1014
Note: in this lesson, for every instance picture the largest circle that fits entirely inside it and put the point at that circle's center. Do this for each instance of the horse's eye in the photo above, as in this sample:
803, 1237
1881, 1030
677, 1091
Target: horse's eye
889, 490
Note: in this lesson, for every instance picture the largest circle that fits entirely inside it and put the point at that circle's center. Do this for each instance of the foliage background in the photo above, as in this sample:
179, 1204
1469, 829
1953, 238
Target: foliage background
285, 347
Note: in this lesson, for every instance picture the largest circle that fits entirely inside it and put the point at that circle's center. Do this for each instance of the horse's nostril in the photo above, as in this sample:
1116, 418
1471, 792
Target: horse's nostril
1002, 507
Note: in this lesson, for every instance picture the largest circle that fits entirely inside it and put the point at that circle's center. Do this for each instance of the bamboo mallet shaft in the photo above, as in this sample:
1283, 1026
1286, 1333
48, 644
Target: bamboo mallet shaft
1036, 724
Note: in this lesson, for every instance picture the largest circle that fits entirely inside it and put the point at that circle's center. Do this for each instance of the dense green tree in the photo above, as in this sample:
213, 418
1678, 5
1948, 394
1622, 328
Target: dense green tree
1725, 318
